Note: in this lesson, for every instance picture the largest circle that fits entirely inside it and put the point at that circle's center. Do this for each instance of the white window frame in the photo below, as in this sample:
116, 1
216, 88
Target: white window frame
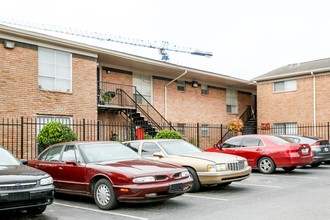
288, 86
285, 128
54, 73
182, 129
205, 130
204, 89
231, 101
43, 120
140, 82
181, 85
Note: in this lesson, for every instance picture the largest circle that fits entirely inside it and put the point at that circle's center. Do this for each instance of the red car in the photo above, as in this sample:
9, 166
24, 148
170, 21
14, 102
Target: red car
111, 172
267, 152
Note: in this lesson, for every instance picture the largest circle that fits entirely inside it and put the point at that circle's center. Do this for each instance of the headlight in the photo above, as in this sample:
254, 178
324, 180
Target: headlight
216, 167
245, 163
145, 179
46, 181
185, 174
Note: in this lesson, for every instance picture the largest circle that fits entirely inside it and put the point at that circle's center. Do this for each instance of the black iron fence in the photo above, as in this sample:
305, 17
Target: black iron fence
19, 134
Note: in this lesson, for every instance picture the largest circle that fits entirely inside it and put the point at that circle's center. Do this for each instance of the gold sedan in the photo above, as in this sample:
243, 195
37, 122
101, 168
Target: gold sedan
206, 168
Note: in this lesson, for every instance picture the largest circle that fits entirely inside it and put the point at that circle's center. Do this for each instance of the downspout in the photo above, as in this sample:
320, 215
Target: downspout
314, 103
165, 95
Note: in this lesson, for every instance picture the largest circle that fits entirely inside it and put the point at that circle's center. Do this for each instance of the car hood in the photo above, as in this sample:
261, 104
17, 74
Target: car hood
20, 173
213, 157
139, 166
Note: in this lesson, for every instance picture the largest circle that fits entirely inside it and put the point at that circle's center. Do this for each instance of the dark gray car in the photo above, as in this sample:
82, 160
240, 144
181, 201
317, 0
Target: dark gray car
320, 148
23, 187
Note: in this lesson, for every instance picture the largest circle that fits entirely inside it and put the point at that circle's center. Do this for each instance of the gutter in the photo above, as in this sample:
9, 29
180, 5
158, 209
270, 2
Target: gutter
165, 91
314, 103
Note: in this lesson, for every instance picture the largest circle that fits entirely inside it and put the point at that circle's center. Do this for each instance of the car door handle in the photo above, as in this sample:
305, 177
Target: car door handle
258, 149
60, 168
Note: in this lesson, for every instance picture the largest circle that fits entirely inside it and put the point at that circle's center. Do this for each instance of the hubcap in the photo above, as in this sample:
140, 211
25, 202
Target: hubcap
103, 194
265, 165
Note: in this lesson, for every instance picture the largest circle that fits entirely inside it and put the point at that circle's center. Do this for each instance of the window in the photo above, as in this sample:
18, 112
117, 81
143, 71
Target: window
53, 154
252, 142
205, 130
285, 86
231, 97
285, 128
232, 143
182, 129
71, 153
204, 89
45, 119
55, 69
149, 148
181, 85
144, 88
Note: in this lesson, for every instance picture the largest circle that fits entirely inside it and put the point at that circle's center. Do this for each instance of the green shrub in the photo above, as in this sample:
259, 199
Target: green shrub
168, 134
147, 136
55, 132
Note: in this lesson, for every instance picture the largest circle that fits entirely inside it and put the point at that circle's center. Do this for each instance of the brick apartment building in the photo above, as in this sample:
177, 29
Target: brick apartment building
294, 94
49, 78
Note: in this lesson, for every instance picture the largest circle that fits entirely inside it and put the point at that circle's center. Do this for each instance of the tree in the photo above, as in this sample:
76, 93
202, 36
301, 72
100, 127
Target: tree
55, 132
168, 134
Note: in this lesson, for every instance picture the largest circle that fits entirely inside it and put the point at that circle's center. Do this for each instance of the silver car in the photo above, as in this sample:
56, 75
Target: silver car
206, 168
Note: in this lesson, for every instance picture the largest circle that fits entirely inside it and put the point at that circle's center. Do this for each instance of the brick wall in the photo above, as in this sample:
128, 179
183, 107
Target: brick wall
294, 106
20, 95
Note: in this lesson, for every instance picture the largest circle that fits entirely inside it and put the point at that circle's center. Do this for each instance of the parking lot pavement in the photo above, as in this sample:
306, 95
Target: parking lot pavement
302, 194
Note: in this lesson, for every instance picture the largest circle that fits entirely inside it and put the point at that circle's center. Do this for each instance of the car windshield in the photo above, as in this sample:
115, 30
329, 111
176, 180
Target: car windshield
101, 152
178, 147
7, 159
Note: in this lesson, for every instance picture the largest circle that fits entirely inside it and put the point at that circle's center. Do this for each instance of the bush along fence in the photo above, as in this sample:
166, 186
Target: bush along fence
19, 135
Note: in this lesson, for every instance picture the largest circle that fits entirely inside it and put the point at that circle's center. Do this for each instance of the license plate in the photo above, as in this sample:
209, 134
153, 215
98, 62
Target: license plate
304, 151
18, 196
175, 188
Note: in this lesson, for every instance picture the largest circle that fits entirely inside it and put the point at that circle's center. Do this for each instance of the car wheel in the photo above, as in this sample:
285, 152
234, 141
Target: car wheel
196, 184
104, 195
36, 210
266, 165
316, 164
289, 169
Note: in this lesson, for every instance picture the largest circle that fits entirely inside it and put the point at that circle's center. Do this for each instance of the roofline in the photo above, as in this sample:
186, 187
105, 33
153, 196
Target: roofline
287, 75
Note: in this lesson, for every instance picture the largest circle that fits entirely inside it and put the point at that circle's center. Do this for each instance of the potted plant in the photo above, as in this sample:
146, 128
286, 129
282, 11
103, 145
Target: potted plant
106, 96
236, 126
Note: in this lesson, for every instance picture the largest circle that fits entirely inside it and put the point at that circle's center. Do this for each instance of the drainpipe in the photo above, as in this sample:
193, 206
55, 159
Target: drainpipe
165, 95
314, 103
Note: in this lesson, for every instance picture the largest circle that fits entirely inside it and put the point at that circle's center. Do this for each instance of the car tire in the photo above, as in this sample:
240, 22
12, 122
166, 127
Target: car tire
104, 195
36, 210
196, 184
316, 164
266, 165
289, 169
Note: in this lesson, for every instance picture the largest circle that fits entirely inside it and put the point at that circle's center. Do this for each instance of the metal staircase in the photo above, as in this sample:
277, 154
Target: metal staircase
133, 106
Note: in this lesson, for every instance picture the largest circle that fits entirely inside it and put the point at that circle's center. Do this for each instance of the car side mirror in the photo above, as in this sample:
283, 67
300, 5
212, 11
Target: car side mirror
24, 161
158, 154
72, 162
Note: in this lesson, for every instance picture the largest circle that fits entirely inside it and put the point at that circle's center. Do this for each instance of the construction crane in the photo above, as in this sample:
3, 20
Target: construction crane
162, 46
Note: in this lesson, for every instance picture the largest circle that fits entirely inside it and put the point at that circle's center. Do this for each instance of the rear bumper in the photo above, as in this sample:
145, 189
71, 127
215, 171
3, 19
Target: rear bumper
320, 156
210, 178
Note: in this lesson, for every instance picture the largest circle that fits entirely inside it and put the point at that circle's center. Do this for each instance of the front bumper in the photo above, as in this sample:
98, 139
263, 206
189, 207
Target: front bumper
20, 199
210, 178
152, 192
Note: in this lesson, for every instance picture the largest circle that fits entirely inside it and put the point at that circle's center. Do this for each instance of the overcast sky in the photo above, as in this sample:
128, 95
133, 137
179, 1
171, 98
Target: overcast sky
247, 37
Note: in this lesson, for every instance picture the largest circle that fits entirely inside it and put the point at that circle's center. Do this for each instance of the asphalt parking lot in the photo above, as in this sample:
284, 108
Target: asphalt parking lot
302, 194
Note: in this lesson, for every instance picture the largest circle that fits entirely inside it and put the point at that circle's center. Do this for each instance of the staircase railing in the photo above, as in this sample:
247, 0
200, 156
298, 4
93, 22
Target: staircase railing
147, 110
245, 116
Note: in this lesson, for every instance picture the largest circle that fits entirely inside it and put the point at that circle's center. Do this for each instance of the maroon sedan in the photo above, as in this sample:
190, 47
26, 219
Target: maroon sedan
111, 172
267, 152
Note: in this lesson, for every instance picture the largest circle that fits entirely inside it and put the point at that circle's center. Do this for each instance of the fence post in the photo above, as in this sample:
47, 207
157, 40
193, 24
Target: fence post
221, 135
98, 129
328, 131
22, 137
84, 129
197, 134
